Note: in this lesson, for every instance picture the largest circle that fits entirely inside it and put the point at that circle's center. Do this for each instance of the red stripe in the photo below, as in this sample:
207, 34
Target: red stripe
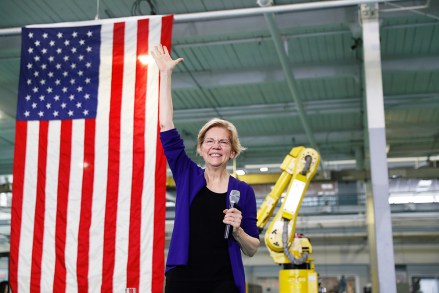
59, 281
133, 265
17, 200
160, 189
82, 263
37, 249
113, 158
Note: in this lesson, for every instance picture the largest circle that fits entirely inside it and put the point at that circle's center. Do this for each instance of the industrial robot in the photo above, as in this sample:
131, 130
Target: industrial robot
285, 246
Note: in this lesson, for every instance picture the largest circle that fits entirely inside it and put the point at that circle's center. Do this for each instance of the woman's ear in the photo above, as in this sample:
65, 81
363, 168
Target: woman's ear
232, 155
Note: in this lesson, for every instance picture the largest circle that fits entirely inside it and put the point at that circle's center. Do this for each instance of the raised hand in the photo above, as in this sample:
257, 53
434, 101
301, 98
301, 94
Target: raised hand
163, 59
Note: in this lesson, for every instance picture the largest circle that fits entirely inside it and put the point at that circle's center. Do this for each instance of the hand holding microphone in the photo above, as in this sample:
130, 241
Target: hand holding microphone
233, 216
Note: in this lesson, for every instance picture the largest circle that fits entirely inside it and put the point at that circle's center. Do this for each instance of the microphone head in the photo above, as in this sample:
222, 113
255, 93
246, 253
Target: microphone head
234, 196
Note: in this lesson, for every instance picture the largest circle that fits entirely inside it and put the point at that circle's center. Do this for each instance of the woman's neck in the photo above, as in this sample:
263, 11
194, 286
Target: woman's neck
217, 180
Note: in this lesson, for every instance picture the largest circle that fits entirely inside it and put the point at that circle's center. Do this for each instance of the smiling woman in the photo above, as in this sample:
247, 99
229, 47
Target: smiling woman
203, 208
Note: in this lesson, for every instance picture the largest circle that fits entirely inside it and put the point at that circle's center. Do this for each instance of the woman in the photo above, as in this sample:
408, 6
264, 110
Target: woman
200, 259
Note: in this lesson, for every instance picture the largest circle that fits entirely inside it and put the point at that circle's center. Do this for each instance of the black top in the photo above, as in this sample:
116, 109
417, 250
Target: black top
208, 253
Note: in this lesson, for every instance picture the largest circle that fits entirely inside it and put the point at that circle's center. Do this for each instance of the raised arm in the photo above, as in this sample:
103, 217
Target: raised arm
166, 66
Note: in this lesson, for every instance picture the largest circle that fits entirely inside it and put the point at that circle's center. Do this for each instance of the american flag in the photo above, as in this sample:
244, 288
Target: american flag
88, 210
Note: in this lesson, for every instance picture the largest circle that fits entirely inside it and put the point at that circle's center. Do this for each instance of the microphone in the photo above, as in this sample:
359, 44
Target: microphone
233, 198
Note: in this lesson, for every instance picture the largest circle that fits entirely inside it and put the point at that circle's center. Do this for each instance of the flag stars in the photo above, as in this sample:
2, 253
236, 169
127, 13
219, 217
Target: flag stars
59, 77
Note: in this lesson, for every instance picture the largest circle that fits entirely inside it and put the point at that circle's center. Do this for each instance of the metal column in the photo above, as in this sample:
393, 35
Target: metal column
381, 228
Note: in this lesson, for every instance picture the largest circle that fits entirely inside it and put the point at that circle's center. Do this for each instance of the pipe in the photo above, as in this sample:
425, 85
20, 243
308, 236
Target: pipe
220, 14
271, 9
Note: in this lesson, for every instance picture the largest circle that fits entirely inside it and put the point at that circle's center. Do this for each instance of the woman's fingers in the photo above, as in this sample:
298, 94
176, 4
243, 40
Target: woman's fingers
232, 217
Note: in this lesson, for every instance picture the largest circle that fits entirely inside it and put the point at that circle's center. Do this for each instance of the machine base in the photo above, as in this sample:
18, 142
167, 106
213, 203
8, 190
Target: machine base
298, 281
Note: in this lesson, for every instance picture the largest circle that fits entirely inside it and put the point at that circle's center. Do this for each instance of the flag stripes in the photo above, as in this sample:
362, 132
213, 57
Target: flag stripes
89, 194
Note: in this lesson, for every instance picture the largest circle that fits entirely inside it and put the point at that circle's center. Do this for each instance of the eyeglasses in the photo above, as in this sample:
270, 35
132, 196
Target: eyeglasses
222, 142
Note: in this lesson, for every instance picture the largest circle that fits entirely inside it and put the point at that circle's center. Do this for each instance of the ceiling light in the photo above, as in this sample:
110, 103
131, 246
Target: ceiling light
424, 183
240, 172
263, 169
265, 3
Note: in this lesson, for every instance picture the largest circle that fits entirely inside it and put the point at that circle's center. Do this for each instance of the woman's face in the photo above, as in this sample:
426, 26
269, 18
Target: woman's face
216, 149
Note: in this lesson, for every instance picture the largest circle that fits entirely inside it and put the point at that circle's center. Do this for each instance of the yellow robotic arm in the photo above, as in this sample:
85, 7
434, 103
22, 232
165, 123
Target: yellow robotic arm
298, 168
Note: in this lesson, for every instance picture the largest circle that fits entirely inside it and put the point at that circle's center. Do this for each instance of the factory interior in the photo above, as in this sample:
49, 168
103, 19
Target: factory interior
356, 80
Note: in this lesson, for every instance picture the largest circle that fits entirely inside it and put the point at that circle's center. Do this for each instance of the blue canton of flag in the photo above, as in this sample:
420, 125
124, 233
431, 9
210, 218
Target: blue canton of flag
59, 73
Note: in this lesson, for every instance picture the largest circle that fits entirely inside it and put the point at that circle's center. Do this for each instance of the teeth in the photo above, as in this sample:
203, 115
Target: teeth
214, 155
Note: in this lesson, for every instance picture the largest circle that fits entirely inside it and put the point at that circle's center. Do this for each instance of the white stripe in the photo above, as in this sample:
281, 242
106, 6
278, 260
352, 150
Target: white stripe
74, 203
147, 228
48, 257
28, 210
101, 161
126, 158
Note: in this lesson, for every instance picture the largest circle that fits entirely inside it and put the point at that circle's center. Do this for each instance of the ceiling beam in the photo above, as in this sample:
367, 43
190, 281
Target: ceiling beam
267, 111
289, 77
300, 72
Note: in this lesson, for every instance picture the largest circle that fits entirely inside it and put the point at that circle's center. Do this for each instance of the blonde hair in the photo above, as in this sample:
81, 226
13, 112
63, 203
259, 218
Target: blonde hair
237, 148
